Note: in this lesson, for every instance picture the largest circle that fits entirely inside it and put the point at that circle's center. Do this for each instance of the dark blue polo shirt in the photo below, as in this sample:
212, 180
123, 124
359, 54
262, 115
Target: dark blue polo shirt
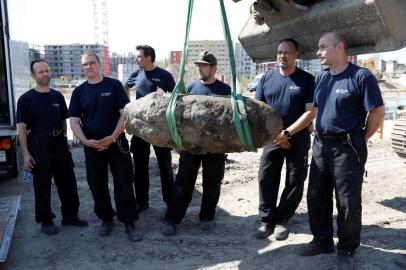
146, 82
287, 95
216, 88
343, 100
98, 106
41, 112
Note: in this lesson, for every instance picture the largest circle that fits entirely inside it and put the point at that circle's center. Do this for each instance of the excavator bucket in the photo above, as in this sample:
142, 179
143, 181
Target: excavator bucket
369, 25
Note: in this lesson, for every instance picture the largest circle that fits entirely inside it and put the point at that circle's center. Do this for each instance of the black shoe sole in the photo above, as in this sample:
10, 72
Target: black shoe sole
315, 251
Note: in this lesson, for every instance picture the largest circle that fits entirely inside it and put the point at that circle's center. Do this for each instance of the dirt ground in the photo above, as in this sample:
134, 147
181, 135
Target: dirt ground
231, 244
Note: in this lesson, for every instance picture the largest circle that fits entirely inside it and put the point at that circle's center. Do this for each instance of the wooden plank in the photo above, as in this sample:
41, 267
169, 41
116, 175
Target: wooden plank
8, 215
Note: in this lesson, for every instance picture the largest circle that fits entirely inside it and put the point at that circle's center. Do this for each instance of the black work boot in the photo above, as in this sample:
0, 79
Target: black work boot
168, 228
49, 228
313, 248
133, 234
105, 228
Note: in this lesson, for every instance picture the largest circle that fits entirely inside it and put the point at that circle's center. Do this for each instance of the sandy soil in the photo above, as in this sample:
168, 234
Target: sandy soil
231, 244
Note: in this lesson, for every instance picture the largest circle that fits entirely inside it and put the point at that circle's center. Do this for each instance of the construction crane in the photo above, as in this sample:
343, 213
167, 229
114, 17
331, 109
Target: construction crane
101, 33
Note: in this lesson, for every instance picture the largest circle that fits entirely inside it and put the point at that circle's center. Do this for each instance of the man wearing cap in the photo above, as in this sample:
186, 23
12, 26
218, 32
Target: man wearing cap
146, 79
189, 164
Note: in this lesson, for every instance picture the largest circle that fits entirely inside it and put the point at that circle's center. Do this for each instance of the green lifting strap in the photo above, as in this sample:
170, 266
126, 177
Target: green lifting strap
237, 100
180, 85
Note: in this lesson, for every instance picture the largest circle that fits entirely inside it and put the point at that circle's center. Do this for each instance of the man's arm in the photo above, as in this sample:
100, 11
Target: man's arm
106, 141
374, 120
302, 122
29, 162
126, 89
78, 131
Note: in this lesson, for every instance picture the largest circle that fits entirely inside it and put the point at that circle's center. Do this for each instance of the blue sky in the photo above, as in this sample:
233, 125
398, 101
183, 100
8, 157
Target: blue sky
159, 23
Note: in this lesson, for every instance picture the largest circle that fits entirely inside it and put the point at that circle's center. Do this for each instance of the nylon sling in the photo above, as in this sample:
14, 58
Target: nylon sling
237, 101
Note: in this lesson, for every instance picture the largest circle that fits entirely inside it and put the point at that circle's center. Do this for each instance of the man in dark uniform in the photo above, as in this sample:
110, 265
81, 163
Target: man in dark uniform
149, 78
350, 110
96, 110
41, 122
289, 90
189, 164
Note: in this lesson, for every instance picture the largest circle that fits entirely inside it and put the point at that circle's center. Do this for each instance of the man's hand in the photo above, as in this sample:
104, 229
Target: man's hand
92, 143
282, 141
105, 143
29, 162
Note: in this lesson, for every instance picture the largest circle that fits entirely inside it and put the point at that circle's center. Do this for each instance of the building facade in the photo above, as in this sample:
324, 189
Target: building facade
312, 66
65, 59
244, 64
117, 59
175, 57
124, 71
216, 47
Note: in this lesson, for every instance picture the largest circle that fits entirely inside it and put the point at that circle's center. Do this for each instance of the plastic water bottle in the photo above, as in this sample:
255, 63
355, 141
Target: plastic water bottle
26, 177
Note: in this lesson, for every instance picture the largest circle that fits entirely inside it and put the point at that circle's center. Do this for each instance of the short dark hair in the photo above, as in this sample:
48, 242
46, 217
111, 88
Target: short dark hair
147, 51
339, 37
36, 61
291, 40
91, 53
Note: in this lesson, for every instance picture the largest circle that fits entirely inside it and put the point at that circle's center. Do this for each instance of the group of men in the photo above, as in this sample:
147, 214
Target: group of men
347, 104
344, 98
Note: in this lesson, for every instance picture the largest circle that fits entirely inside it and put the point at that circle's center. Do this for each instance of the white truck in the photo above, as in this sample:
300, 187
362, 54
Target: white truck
8, 131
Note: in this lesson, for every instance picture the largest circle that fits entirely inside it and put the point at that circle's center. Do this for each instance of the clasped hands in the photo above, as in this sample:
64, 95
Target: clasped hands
101, 144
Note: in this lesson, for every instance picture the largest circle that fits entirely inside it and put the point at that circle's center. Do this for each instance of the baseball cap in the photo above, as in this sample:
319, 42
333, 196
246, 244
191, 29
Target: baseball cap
207, 58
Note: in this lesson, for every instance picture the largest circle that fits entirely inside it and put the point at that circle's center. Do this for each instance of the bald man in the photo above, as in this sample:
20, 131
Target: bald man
350, 110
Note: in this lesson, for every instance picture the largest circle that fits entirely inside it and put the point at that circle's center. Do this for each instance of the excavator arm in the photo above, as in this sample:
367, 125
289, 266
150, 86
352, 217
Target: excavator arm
369, 25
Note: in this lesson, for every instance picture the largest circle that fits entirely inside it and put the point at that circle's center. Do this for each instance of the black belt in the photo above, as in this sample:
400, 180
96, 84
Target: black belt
337, 136
51, 133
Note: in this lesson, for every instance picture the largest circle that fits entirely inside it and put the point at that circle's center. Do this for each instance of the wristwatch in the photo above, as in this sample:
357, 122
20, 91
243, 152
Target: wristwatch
286, 133
113, 139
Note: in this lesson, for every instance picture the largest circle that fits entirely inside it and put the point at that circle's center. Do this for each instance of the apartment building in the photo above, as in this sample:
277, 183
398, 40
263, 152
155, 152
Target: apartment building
216, 47
243, 62
64, 59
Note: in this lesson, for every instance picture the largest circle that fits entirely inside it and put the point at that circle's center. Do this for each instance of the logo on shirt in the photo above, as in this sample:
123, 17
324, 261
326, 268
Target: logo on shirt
155, 79
294, 87
342, 91
105, 94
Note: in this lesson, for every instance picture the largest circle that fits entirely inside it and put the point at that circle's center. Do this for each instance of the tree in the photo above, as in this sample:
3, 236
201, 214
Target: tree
243, 81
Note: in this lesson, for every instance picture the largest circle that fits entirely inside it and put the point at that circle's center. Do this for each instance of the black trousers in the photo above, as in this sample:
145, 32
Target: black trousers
337, 164
141, 151
269, 177
53, 159
97, 163
213, 166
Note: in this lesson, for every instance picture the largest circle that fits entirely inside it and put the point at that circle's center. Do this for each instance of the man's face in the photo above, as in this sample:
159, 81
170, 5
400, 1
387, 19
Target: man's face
287, 54
206, 71
328, 49
141, 60
42, 73
90, 66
